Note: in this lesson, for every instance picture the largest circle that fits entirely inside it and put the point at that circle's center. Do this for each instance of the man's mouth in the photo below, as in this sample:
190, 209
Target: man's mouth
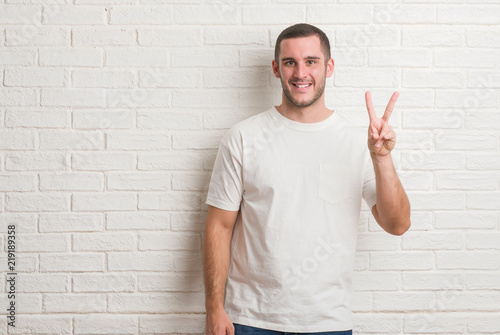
302, 85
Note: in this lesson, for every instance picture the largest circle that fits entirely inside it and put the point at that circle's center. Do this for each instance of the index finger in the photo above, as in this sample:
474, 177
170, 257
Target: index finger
390, 106
369, 106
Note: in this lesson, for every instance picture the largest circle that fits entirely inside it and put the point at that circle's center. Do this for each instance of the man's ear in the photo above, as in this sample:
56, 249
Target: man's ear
276, 69
329, 67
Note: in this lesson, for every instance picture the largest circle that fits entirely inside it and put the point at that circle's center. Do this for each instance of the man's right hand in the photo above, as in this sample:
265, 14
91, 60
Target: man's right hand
219, 323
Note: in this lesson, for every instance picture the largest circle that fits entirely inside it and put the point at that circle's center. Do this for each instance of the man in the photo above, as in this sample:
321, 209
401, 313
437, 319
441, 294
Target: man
284, 202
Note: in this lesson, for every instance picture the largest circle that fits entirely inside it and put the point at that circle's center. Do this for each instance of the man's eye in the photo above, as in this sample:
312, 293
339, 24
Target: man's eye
311, 61
290, 62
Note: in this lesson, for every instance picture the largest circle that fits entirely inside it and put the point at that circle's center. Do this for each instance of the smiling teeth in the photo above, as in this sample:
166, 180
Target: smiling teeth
302, 86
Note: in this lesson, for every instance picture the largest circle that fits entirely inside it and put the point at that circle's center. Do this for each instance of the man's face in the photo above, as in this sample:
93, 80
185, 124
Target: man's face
302, 70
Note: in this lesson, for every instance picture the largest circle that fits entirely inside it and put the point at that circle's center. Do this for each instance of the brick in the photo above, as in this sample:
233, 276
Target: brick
18, 97
465, 220
16, 14
433, 160
169, 201
483, 280
137, 57
437, 200
362, 302
71, 222
439, 323
136, 220
376, 281
484, 120
433, 36
256, 58
43, 324
466, 99
468, 14
103, 119
402, 260
205, 57
138, 97
171, 78
177, 323
26, 223
25, 263
138, 181
370, 35
72, 182
37, 36
483, 79
483, 37
355, 77
377, 323
71, 57
437, 79
466, 301
74, 303
151, 15
401, 57
470, 260
483, 240
433, 240
156, 303
42, 283
171, 37
169, 241
97, 161
161, 120
170, 282
453, 140
100, 78
17, 182
326, 14
403, 301
103, 242
139, 261
236, 35
466, 181
465, 58
483, 322
96, 36
406, 14
434, 281
106, 324
17, 56
104, 282
377, 241
200, 98
71, 262
83, 97
74, 15
482, 161
37, 119
51, 139
188, 221
220, 13
43, 243
28, 303
35, 161
415, 181
107, 201
169, 161
36, 202
138, 141
235, 78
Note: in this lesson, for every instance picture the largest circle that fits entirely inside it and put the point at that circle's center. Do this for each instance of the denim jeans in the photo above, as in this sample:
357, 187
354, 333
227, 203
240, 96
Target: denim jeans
247, 330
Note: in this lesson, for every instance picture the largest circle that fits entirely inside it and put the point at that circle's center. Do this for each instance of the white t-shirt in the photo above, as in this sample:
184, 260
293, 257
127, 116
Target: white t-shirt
299, 186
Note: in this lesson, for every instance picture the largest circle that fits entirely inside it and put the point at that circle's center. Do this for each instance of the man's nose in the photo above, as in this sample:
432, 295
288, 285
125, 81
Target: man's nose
300, 70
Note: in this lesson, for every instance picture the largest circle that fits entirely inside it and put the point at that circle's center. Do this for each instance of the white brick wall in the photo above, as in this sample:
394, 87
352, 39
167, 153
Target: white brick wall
111, 112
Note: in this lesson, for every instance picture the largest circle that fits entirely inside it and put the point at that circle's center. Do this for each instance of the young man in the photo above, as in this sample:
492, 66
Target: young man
284, 202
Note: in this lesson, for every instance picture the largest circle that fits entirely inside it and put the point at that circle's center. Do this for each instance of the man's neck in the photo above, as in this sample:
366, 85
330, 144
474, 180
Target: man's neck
317, 112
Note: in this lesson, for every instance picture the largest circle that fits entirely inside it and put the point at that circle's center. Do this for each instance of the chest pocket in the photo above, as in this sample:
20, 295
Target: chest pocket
334, 182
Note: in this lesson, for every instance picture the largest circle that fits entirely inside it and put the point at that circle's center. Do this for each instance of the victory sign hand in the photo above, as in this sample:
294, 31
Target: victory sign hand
381, 136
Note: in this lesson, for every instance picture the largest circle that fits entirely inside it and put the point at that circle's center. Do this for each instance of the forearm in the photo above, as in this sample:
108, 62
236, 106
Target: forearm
216, 253
393, 206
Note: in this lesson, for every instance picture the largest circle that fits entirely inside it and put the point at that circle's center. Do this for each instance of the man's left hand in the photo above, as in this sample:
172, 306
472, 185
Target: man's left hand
381, 136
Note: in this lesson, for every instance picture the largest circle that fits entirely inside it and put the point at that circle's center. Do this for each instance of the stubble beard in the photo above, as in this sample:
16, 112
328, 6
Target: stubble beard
288, 94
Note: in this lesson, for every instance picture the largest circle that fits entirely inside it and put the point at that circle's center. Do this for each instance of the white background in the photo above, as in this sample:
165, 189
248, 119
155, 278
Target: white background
111, 112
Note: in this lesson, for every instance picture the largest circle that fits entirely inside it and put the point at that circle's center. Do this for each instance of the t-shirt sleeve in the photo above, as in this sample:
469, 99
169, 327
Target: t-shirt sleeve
226, 184
369, 185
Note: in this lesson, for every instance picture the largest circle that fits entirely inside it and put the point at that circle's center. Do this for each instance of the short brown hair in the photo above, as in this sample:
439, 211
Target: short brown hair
302, 30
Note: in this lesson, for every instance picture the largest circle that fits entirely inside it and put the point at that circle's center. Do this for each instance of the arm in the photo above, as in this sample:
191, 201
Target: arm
392, 210
216, 250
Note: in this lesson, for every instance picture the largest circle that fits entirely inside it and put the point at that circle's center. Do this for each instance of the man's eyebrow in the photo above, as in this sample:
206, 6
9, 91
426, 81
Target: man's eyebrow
291, 58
